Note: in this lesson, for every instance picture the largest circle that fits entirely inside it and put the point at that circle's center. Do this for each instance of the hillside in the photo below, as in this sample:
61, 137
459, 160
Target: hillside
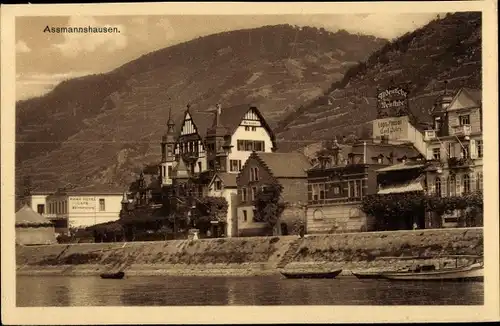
447, 49
99, 129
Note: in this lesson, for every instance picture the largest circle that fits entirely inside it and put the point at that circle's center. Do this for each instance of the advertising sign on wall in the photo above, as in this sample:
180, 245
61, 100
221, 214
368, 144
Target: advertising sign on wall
392, 102
82, 203
391, 128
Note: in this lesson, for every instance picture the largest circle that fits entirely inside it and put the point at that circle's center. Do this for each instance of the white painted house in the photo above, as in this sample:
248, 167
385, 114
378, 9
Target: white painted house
223, 184
84, 207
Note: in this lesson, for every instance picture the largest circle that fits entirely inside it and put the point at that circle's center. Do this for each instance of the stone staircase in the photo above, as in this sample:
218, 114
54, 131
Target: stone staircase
289, 254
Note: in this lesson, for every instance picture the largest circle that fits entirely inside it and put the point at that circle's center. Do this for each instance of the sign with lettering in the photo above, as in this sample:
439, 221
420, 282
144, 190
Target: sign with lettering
391, 128
392, 102
82, 203
251, 123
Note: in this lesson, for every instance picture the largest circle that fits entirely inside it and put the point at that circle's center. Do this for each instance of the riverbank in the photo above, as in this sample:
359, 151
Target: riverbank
248, 256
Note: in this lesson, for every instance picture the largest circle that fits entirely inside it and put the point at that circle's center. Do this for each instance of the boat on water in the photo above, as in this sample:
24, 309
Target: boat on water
318, 275
471, 273
116, 276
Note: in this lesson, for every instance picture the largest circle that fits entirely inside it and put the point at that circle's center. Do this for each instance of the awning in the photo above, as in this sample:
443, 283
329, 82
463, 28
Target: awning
411, 186
401, 166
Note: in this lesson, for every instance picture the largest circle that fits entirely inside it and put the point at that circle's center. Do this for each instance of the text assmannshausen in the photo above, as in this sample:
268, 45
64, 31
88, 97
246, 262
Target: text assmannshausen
87, 29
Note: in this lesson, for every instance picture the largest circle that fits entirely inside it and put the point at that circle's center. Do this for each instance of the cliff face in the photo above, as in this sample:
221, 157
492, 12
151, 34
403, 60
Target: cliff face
446, 49
99, 128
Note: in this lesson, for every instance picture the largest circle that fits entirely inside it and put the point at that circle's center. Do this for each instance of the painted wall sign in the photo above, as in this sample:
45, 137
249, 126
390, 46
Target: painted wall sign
82, 203
392, 128
392, 102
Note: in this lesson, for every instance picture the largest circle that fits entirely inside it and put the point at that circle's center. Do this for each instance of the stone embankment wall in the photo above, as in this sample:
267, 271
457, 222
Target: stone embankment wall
248, 256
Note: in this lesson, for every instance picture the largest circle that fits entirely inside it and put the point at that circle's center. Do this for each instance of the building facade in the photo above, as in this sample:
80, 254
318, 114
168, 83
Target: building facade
83, 208
223, 184
264, 169
455, 149
343, 175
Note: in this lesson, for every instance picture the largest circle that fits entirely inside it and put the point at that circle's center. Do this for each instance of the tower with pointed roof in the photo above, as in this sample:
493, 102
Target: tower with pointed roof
218, 142
167, 152
439, 111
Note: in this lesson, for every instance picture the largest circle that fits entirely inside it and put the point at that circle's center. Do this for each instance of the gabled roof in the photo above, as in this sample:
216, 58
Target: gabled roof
28, 217
284, 165
228, 179
202, 120
473, 98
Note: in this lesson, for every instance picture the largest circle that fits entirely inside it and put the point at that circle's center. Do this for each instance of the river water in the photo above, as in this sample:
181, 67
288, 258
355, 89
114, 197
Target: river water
44, 291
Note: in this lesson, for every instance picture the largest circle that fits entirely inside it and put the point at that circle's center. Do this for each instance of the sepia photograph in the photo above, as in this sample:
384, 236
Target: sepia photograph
176, 158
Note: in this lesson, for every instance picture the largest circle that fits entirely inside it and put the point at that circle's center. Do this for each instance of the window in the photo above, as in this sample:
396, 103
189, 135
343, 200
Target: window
464, 120
479, 146
235, 165
452, 186
254, 193
380, 160
436, 153
254, 217
321, 191
466, 182
199, 166
254, 174
218, 185
465, 150
451, 150
438, 186
40, 208
251, 145
336, 190
254, 128
479, 181
247, 128
245, 217
102, 206
243, 194
169, 171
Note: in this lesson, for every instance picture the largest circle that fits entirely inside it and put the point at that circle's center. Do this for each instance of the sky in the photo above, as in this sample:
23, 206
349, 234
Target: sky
44, 59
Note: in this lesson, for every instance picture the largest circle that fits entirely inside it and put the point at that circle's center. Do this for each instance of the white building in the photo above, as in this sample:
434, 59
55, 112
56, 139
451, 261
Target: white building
221, 139
38, 201
84, 207
223, 184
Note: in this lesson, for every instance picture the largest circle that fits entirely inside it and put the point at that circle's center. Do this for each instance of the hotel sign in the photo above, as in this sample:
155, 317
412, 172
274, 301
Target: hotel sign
392, 102
251, 123
82, 203
392, 128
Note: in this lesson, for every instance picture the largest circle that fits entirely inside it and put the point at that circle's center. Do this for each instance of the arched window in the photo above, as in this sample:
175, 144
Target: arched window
438, 186
452, 185
466, 184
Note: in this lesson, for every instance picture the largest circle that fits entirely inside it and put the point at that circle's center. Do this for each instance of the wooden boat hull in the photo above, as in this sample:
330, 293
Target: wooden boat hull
115, 276
469, 274
316, 275
363, 276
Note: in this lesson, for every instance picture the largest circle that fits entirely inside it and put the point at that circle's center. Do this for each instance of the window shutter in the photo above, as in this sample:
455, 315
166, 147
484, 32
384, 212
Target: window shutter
473, 149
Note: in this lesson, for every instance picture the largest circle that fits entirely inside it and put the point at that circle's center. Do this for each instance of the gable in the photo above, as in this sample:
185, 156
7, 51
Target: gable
251, 118
188, 127
462, 101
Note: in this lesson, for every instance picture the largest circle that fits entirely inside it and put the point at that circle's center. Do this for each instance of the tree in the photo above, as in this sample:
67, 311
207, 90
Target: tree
208, 209
268, 205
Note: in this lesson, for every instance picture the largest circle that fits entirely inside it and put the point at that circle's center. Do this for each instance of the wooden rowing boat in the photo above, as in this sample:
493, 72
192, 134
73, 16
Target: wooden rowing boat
367, 275
473, 272
116, 276
319, 275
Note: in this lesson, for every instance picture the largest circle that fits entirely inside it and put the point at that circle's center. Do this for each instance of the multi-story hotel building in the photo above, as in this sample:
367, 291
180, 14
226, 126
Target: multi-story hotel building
217, 140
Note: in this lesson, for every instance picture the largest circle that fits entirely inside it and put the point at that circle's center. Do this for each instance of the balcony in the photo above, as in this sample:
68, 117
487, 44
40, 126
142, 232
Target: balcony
455, 162
463, 130
429, 135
